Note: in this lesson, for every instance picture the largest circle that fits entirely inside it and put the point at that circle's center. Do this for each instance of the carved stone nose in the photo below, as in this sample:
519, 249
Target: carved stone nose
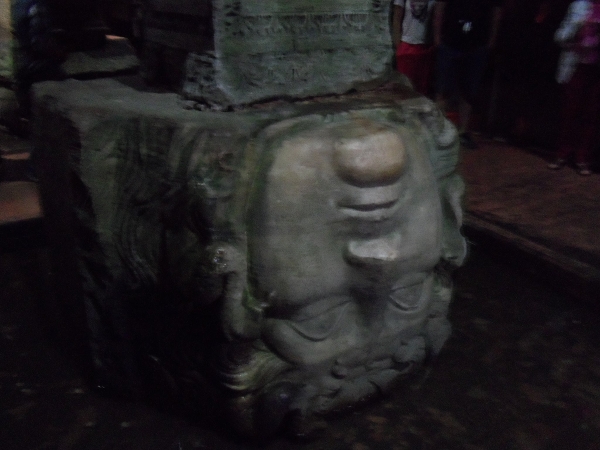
372, 159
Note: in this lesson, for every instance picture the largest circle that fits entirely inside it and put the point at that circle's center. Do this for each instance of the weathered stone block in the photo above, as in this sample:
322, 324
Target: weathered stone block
239, 52
115, 56
287, 260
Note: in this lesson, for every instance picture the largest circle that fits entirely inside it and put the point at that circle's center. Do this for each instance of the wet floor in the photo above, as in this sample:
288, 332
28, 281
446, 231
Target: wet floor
521, 371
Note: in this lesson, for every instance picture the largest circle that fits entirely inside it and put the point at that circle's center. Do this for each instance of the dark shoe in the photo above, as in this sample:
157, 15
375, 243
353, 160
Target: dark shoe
466, 140
583, 169
31, 170
19, 127
31, 176
558, 163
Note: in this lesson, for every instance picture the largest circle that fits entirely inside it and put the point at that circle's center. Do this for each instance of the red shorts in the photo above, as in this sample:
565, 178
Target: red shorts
416, 62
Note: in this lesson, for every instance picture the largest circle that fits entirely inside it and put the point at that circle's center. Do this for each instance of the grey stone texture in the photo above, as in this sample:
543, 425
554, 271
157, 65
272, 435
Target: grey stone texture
115, 56
8, 105
281, 261
6, 63
239, 52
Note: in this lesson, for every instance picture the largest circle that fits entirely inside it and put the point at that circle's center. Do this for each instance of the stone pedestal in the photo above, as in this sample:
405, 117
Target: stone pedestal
282, 261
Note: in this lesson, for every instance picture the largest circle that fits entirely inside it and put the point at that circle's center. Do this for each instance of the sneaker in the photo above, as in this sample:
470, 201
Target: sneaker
558, 163
466, 140
583, 169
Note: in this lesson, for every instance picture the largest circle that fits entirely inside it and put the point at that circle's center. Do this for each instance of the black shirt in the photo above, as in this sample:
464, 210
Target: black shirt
467, 23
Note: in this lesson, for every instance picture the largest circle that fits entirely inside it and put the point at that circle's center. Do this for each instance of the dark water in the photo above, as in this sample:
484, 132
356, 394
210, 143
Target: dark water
521, 371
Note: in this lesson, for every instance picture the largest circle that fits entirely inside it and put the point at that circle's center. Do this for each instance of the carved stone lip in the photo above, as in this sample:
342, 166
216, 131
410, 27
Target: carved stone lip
375, 252
371, 204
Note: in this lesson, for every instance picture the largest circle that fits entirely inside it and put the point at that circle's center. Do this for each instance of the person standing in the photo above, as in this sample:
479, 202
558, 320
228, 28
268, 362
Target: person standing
579, 71
37, 52
411, 24
464, 32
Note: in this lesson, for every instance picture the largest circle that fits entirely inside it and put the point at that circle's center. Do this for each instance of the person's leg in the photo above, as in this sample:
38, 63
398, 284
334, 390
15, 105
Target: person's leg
400, 58
428, 62
446, 68
19, 124
406, 62
464, 115
570, 132
414, 61
590, 118
422, 69
419, 72
474, 66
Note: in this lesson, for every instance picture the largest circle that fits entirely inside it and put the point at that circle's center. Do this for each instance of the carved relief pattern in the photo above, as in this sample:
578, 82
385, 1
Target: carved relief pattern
261, 53
306, 24
313, 67
268, 75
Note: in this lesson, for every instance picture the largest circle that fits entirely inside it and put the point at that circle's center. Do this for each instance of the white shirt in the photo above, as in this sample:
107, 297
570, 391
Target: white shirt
569, 57
416, 19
